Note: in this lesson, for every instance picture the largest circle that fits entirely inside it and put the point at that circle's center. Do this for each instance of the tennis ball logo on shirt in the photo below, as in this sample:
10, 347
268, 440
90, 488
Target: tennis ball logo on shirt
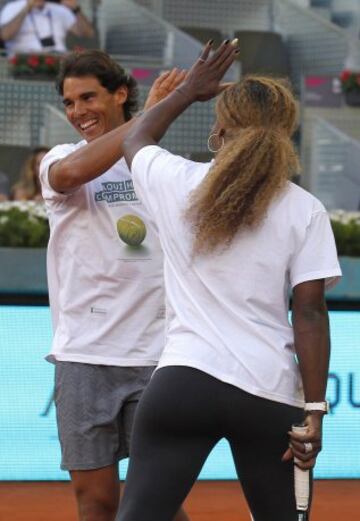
131, 230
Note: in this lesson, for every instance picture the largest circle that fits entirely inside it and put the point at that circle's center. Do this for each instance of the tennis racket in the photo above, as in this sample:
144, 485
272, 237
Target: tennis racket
302, 484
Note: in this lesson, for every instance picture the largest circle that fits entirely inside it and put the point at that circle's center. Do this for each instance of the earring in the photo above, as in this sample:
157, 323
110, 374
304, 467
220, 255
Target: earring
209, 143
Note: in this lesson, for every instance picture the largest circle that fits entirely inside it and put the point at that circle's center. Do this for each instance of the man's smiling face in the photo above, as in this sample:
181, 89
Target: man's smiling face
91, 108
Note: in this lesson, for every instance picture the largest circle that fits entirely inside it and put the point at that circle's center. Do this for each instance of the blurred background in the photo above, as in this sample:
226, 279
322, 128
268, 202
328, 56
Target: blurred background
316, 44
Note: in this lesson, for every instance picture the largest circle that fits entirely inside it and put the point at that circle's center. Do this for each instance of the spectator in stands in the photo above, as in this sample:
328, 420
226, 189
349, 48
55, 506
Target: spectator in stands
40, 26
4, 187
28, 187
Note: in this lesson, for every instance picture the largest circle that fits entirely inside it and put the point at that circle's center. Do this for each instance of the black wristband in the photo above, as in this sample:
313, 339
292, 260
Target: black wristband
76, 9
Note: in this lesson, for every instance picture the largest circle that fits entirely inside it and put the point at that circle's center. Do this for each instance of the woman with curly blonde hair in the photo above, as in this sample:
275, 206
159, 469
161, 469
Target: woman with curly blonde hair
237, 236
259, 115
28, 187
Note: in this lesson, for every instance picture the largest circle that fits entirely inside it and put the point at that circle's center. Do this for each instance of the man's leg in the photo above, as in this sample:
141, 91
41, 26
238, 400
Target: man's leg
88, 400
97, 493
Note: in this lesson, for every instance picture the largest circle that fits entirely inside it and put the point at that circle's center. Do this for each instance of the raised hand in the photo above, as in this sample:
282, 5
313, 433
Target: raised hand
31, 4
164, 85
71, 4
203, 80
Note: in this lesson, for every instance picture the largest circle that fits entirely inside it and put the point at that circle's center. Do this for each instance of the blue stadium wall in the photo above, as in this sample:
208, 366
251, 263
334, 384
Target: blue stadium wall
29, 448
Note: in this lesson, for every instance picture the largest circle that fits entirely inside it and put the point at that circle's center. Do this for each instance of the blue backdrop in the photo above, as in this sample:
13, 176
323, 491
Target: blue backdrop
29, 448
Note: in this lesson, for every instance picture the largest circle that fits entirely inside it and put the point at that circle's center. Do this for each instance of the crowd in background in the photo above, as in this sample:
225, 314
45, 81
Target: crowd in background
28, 26
27, 188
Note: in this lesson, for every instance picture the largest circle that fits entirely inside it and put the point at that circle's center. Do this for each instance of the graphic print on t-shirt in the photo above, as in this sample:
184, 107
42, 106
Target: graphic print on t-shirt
128, 217
131, 230
117, 191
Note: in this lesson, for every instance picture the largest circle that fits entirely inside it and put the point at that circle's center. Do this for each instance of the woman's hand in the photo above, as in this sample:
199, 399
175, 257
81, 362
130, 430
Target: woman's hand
163, 86
203, 80
306, 447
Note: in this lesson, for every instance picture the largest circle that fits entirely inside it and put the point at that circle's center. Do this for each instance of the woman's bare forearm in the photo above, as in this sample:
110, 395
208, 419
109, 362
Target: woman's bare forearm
201, 84
312, 339
153, 124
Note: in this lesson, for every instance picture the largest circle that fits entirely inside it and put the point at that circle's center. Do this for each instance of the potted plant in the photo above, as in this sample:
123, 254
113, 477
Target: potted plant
350, 82
346, 228
24, 234
35, 66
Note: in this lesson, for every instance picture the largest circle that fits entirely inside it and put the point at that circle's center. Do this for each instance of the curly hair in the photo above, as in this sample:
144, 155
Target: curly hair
108, 72
259, 115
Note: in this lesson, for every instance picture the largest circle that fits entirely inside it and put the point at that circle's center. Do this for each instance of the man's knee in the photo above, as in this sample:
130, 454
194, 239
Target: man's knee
96, 509
97, 494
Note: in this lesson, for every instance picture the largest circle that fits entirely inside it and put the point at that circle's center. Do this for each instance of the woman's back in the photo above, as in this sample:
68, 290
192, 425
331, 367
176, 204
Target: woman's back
229, 309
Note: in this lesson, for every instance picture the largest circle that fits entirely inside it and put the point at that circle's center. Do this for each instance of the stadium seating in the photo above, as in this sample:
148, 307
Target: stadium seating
203, 34
262, 52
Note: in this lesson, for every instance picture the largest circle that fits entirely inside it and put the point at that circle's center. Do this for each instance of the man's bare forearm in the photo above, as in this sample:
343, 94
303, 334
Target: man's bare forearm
89, 161
83, 26
97, 157
9, 30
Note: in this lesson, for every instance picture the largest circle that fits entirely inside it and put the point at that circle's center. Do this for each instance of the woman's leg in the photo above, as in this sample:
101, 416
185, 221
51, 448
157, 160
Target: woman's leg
176, 426
258, 444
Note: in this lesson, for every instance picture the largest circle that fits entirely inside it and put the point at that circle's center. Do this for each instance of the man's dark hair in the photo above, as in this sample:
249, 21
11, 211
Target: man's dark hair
109, 74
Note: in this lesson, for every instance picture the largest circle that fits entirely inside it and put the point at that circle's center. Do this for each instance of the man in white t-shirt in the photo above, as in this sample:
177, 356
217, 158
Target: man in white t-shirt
105, 279
40, 26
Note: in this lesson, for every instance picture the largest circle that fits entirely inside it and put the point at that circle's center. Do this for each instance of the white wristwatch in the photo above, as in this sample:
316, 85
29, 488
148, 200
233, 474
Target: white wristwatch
317, 406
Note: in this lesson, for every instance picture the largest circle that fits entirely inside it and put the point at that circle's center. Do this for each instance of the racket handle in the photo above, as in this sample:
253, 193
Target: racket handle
302, 483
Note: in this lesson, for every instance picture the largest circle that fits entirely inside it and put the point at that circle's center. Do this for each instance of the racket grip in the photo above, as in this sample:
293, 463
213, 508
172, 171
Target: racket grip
302, 481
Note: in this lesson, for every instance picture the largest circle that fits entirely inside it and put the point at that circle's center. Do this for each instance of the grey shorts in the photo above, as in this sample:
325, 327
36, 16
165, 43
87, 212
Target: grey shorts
95, 407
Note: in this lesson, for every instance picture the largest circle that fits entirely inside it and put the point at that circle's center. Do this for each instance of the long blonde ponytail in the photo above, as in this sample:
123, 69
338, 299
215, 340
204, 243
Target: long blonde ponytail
253, 166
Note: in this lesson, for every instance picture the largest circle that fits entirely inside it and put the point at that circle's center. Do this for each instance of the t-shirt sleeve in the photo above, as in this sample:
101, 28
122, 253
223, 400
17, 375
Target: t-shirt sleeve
9, 12
55, 154
317, 256
68, 18
156, 173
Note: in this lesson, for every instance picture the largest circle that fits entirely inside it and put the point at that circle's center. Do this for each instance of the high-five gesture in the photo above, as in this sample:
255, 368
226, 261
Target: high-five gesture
201, 83
203, 80
164, 85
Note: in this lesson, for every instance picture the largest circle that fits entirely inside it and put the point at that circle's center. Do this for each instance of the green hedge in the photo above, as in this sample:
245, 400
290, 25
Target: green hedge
346, 227
25, 224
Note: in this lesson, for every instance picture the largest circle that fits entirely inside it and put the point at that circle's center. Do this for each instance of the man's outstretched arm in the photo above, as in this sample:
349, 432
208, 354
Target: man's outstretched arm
98, 156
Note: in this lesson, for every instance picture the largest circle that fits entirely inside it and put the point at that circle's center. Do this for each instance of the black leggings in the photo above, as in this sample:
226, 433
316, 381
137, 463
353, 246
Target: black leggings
182, 415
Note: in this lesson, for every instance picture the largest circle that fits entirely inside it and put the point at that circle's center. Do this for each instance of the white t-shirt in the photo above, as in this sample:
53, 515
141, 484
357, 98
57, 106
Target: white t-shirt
105, 286
53, 20
229, 311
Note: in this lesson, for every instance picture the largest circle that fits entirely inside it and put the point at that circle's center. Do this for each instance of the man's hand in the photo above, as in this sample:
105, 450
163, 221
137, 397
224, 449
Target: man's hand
163, 86
71, 4
34, 3
306, 447
203, 80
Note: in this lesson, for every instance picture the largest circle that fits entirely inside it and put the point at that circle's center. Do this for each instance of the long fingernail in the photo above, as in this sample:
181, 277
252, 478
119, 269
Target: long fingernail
226, 42
235, 41
210, 42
